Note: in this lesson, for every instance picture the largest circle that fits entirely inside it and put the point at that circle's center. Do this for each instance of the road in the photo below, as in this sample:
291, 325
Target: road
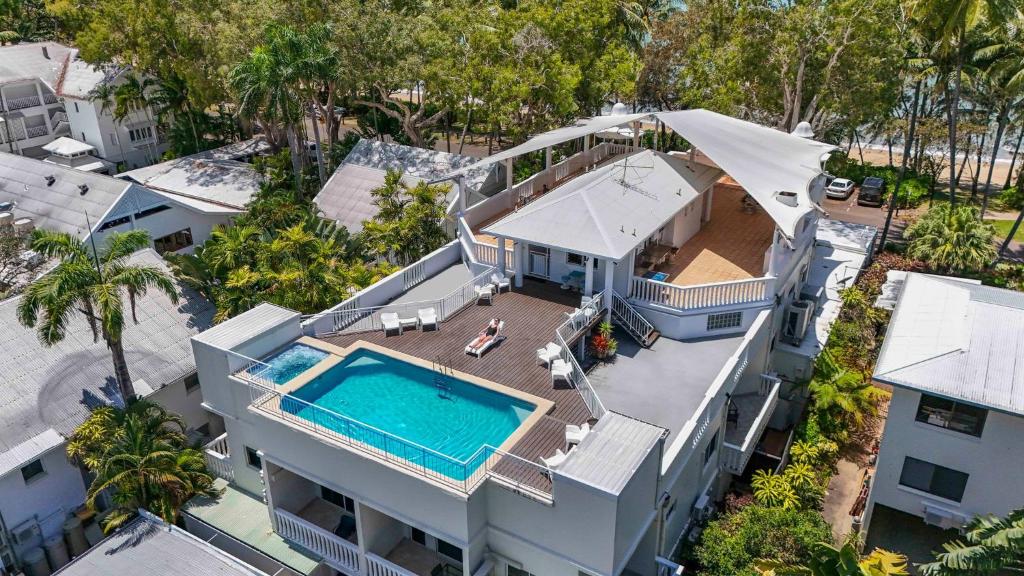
849, 211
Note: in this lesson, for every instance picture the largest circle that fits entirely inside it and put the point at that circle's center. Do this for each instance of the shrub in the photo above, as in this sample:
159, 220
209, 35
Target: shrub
1012, 198
951, 239
730, 545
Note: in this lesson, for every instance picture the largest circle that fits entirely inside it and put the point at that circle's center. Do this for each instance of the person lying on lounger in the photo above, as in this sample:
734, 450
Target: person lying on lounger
486, 335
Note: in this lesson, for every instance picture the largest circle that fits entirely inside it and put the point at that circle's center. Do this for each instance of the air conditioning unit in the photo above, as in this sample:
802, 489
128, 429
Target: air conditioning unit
26, 533
703, 508
943, 518
797, 318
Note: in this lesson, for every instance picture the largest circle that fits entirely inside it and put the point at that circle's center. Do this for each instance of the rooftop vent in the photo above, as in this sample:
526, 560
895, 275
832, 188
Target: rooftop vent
50, 180
803, 130
787, 198
46, 53
82, 189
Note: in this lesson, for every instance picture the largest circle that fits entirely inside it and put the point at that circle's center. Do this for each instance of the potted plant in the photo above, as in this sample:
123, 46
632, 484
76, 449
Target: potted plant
602, 343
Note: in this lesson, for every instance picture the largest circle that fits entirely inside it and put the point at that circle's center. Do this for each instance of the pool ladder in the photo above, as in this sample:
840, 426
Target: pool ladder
442, 373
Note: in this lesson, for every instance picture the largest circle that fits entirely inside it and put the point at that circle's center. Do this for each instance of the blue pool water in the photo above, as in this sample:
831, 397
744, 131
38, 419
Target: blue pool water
658, 276
291, 362
377, 393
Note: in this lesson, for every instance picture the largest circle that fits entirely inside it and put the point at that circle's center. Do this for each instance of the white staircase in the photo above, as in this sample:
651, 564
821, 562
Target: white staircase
632, 321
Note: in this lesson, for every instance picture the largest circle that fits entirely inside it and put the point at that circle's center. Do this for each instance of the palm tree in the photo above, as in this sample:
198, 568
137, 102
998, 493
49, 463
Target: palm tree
140, 454
132, 97
104, 94
993, 546
840, 395
951, 239
774, 490
827, 560
408, 222
92, 283
1004, 85
171, 97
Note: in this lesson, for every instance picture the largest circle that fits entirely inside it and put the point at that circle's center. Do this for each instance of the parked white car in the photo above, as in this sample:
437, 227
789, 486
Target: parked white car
840, 189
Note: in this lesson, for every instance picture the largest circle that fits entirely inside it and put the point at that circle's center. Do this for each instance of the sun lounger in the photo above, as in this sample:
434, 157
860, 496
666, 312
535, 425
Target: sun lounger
549, 353
483, 342
555, 461
427, 317
575, 434
391, 322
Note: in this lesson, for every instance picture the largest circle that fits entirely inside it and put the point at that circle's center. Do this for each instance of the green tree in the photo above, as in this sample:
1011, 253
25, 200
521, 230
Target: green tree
991, 546
951, 239
774, 490
140, 455
93, 284
840, 398
731, 545
408, 224
827, 560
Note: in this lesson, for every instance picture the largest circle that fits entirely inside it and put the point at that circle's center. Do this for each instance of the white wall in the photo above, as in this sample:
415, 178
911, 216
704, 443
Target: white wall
48, 498
166, 222
186, 403
993, 461
379, 533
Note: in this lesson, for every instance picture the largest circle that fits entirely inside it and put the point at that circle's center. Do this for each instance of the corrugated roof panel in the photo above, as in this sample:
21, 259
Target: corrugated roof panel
245, 326
611, 453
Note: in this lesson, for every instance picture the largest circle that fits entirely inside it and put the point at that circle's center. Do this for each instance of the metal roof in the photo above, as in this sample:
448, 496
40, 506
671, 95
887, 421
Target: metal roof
29, 450
149, 546
209, 179
608, 457
55, 387
346, 197
65, 146
20, 62
957, 339
246, 326
607, 212
61, 206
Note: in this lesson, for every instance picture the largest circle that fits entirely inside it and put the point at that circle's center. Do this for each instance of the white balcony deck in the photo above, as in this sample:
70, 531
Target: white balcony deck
754, 410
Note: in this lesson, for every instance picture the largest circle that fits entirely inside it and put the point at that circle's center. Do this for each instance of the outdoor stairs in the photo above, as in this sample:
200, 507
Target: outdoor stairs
633, 322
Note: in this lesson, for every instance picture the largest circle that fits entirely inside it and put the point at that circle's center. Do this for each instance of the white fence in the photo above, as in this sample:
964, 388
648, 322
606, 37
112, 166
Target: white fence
565, 334
701, 295
377, 566
218, 458
338, 552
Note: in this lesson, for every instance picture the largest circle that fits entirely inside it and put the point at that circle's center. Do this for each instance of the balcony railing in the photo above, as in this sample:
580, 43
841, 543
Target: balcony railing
338, 552
647, 291
735, 457
49, 98
23, 102
218, 458
37, 131
488, 254
377, 566
567, 333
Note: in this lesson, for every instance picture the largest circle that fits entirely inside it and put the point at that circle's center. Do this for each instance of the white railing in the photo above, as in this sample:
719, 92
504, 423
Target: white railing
701, 295
218, 458
488, 254
340, 553
377, 566
523, 192
569, 331
735, 458
24, 102
667, 567
632, 320
413, 275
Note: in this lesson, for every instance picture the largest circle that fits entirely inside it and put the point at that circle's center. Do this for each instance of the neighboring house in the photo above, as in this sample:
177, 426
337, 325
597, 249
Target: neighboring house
148, 545
78, 155
430, 460
45, 195
46, 93
346, 197
48, 391
952, 446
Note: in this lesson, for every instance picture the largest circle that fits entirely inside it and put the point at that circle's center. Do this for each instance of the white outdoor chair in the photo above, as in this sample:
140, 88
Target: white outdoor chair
555, 461
549, 353
391, 322
427, 317
561, 370
484, 293
501, 281
575, 434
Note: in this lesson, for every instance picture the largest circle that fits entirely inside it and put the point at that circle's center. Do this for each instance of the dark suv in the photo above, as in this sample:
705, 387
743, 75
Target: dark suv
872, 192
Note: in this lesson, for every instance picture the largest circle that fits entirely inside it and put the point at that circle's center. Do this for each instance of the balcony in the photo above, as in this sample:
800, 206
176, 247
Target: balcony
37, 131
23, 102
746, 422
218, 460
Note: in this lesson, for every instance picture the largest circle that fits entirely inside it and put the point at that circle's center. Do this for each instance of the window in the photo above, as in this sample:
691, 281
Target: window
338, 499
139, 134
450, 550
933, 479
115, 222
113, 139
709, 450
252, 458
32, 470
724, 320
151, 211
419, 536
574, 259
191, 382
173, 242
951, 415
513, 571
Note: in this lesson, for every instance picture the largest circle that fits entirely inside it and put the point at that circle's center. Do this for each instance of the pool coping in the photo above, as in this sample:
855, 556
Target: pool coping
337, 354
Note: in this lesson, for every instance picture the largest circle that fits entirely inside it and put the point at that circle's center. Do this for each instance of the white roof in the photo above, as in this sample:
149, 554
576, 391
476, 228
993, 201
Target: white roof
80, 78
607, 212
764, 161
20, 62
609, 455
65, 146
228, 183
957, 339
246, 326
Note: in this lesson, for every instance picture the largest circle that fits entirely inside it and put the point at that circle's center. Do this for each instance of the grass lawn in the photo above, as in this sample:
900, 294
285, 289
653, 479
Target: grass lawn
1003, 229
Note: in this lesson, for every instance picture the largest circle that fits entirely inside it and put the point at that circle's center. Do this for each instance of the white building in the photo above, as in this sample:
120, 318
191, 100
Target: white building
407, 471
951, 449
48, 391
46, 92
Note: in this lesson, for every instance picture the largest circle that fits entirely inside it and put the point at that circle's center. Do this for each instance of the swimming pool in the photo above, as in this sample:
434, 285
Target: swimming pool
395, 405
289, 363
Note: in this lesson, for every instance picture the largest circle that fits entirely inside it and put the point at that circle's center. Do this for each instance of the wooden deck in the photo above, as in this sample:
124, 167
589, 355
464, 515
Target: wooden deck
531, 314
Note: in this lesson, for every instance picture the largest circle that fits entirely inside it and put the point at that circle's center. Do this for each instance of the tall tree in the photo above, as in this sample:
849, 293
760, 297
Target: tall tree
991, 546
951, 239
94, 284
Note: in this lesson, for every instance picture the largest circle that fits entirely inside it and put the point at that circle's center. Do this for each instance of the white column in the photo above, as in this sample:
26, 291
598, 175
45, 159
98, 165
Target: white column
609, 286
709, 197
519, 249
501, 255
508, 182
588, 278
547, 158
636, 134
586, 148
267, 493
460, 190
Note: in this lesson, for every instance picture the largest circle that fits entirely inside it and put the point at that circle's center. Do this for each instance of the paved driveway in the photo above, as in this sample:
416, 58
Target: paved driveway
849, 211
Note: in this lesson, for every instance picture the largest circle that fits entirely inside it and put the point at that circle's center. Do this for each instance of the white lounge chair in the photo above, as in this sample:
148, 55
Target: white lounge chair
561, 370
549, 353
501, 281
484, 293
575, 434
391, 322
556, 461
427, 317
483, 342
